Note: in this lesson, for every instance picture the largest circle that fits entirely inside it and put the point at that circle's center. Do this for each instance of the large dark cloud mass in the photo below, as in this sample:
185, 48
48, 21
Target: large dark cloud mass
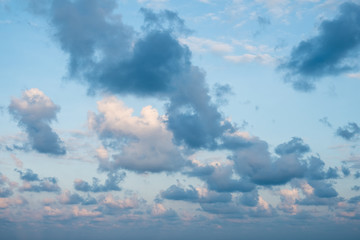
109, 56
35, 112
333, 51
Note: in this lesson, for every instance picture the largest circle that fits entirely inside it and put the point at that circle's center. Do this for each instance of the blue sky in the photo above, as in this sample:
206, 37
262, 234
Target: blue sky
185, 119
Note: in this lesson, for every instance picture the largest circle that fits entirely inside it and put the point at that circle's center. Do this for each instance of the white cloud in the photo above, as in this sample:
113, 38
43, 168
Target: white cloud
148, 144
248, 58
84, 212
206, 45
354, 75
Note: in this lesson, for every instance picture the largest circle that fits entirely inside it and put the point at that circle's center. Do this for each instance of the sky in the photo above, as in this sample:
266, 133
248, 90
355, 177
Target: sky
199, 119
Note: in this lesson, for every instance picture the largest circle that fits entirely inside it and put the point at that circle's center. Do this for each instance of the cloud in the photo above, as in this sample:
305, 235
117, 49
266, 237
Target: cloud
177, 193
8, 202
263, 21
250, 199
159, 211
256, 164
111, 183
111, 205
203, 45
316, 171
288, 199
333, 51
28, 175
325, 121
5, 191
249, 58
77, 212
110, 57
34, 112
356, 188
135, 136
220, 178
69, 198
17, 161
201, 195
349, 132
294, 146
32, 182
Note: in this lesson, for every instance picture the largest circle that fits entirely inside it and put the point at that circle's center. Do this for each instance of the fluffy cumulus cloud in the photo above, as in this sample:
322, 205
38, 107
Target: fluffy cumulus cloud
106, 54
333, 51
34, 112
111, 183
257, 164
135, 136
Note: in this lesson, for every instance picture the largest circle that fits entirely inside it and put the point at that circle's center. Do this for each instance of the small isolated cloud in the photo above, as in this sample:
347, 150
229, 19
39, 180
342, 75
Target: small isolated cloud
136, 135
325, 121
263, 21
34, 112
111, 183
249, 58
349, 132
28, 175
333, 51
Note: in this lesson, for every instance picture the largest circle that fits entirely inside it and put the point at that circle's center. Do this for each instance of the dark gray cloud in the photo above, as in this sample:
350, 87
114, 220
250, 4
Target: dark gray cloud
316, 170
35, 112
355, 199
177, 193
294, 146
345, 170
323, 189
111, 183
333, 51
250, 199
220, 178
28, 175
257, 164
192, 195
349, 132
106, 54
48, 184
